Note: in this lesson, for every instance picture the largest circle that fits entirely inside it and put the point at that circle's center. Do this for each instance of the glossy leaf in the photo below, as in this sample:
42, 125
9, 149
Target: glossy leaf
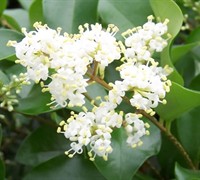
69, 14
168, 9
26, 3
95, 90
35, 103
2, 167
3, 6
62, 168
10, 22
179, 100
140, 176
42, 145
124, 14
188, 126
195, 85
0, 134
5, 36
2, 170
124, 161
36, 12
194, 36
187, 68
3, 78
18, 18
179, 51
186, 174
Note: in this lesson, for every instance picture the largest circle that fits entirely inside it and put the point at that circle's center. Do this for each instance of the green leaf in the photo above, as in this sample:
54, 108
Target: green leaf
26, 3
179, 100
3, 6
35, 103
5, 36
40, 146
36, 12
17, 18
1, 134
124, 14
111, 75
2, 167
3, 78
187, 68
188, 126
69, 14
168, 9
10, 22
140, 176
124, 161
95, 90
186, 174
181, 50
194, 36
63, 168
2, 170
195, 83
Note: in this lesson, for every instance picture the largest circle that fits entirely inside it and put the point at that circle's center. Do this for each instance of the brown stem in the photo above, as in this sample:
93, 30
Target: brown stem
172, 138
100, 81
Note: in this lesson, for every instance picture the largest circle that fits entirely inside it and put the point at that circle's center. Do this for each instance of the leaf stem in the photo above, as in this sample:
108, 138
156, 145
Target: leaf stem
172, 138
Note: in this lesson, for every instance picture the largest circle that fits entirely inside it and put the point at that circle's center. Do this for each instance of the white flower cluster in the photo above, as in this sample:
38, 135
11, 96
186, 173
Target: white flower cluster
139, 72
65, 59
143, 41
71, 62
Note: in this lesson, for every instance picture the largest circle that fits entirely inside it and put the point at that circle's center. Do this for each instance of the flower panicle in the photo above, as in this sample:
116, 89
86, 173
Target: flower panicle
65, 65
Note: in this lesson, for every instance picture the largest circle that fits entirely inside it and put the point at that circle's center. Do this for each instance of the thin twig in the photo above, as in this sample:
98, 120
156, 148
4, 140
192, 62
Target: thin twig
172, 138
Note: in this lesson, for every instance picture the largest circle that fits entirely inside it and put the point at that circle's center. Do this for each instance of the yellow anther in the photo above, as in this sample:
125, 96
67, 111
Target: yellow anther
164, 101
65, 127
147, 133
152, 113
150, 18
84, 109
58, 129
70, 155
62, 123
140, 143
105, 158
91, 159
134, 145
147, 125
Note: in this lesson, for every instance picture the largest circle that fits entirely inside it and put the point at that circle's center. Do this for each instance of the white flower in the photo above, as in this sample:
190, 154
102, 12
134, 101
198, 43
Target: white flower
37, 49
142, 42
135, 129
37, 73
68, 86
117, 92
102, 45
101, 143
78, 129
75, 148
148, 84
